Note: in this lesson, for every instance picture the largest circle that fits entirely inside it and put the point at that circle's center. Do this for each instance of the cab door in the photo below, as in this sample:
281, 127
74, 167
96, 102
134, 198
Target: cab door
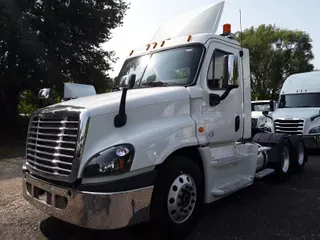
224, 118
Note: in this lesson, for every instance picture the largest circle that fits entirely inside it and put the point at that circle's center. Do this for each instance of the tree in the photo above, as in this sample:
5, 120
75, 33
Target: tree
46, 43
275, 54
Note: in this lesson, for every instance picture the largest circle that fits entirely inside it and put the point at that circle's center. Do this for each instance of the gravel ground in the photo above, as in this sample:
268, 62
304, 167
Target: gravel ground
263, 211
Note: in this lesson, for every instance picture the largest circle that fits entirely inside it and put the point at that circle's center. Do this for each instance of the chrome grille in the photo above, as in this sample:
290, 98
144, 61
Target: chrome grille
289, 126
51, 143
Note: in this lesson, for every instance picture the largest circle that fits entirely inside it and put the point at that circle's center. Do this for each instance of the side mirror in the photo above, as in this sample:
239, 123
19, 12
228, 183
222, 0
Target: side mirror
128, 82
44, 93
231, 71
272, 103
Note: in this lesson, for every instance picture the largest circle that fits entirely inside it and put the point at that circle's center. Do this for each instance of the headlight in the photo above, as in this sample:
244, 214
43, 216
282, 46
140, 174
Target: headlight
114, 160
315, 130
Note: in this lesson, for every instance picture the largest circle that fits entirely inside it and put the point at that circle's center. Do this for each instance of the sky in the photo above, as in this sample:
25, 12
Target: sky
145, 16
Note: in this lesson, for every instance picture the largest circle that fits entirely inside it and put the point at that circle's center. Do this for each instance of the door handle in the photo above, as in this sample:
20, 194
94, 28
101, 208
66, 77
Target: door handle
236, 123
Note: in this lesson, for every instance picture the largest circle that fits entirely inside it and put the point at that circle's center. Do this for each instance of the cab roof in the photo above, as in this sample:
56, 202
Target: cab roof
307, 82
196, 26
201, 38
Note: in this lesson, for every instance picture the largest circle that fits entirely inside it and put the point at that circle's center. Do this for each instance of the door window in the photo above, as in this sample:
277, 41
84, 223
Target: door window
215, 76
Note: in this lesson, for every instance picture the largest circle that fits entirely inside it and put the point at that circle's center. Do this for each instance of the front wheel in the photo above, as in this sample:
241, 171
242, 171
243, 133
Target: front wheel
178, 198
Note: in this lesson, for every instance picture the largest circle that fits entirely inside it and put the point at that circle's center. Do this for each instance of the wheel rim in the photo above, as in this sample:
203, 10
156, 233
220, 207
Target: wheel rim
182, 198
301, 154
285, 159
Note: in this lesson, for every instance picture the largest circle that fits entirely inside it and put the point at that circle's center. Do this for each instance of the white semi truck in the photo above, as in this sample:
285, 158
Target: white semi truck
298, 110
257, 109
177, 135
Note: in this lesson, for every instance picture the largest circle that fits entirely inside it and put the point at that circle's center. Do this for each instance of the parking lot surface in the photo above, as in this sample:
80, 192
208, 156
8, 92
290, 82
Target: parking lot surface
263, 211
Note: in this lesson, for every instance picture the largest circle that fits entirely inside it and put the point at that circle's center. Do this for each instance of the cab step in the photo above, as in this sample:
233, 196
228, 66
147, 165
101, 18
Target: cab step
263, 173
232, 186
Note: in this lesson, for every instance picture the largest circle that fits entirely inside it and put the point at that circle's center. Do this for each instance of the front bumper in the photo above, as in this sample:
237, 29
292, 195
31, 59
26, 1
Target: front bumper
311, 141
94, 210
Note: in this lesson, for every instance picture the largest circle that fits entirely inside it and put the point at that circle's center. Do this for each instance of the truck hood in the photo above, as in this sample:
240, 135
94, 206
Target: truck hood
110, 102
301, 113
256, 114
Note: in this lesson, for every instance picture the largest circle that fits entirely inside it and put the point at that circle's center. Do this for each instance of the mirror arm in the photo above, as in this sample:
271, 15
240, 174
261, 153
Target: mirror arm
266, 115
226, 93
314, 117
121, 119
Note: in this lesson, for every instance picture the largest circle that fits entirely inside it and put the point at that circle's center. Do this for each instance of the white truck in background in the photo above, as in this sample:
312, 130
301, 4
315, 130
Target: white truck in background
257, 109
298, 111
177, 135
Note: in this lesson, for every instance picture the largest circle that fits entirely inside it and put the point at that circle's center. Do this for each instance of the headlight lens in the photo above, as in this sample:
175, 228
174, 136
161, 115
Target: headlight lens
114, 160
315, 130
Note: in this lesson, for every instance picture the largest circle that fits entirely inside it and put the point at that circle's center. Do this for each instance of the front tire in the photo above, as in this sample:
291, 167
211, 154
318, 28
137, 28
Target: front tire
177, 198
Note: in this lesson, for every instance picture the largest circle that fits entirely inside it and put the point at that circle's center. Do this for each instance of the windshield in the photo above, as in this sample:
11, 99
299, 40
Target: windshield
300, 100
260, 107
174, 67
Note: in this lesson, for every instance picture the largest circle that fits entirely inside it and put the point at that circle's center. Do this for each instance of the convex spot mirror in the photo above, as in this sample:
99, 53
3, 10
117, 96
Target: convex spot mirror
44, 93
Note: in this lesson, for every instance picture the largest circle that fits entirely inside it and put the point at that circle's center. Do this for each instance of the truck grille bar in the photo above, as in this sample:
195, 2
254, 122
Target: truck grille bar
289, 126
51, 143
55, 141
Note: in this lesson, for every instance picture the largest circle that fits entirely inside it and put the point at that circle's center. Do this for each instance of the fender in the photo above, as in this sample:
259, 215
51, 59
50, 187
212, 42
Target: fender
155, 131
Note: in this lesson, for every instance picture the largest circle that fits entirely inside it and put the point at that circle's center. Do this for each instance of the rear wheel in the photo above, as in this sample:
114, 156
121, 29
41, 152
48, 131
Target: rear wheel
299, 155
177, 199
281, 160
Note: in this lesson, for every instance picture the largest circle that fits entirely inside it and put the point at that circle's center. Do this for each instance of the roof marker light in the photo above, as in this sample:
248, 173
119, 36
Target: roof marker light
155, 45
148, 46
226, 28
132, 51
189, 38
162, 44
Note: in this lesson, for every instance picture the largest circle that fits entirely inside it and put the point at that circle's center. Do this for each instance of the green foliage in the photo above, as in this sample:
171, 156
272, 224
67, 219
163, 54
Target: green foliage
275, 54
27, 103
46, 43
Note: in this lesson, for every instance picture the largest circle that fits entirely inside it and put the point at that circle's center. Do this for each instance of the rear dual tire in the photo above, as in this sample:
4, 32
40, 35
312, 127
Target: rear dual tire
300, 154
282, 158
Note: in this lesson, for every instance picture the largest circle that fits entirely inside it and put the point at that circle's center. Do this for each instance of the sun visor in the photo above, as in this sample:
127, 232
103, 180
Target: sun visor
203, 20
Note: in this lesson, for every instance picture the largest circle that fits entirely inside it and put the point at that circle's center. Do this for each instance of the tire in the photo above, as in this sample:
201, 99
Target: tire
281, 160
178, 176
300, 155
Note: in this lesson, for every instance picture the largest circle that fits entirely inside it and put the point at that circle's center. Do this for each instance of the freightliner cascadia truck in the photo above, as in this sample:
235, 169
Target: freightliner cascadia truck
175, 136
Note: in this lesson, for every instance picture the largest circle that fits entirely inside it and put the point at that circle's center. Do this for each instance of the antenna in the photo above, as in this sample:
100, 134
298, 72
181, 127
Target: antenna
241, 53
242, 72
